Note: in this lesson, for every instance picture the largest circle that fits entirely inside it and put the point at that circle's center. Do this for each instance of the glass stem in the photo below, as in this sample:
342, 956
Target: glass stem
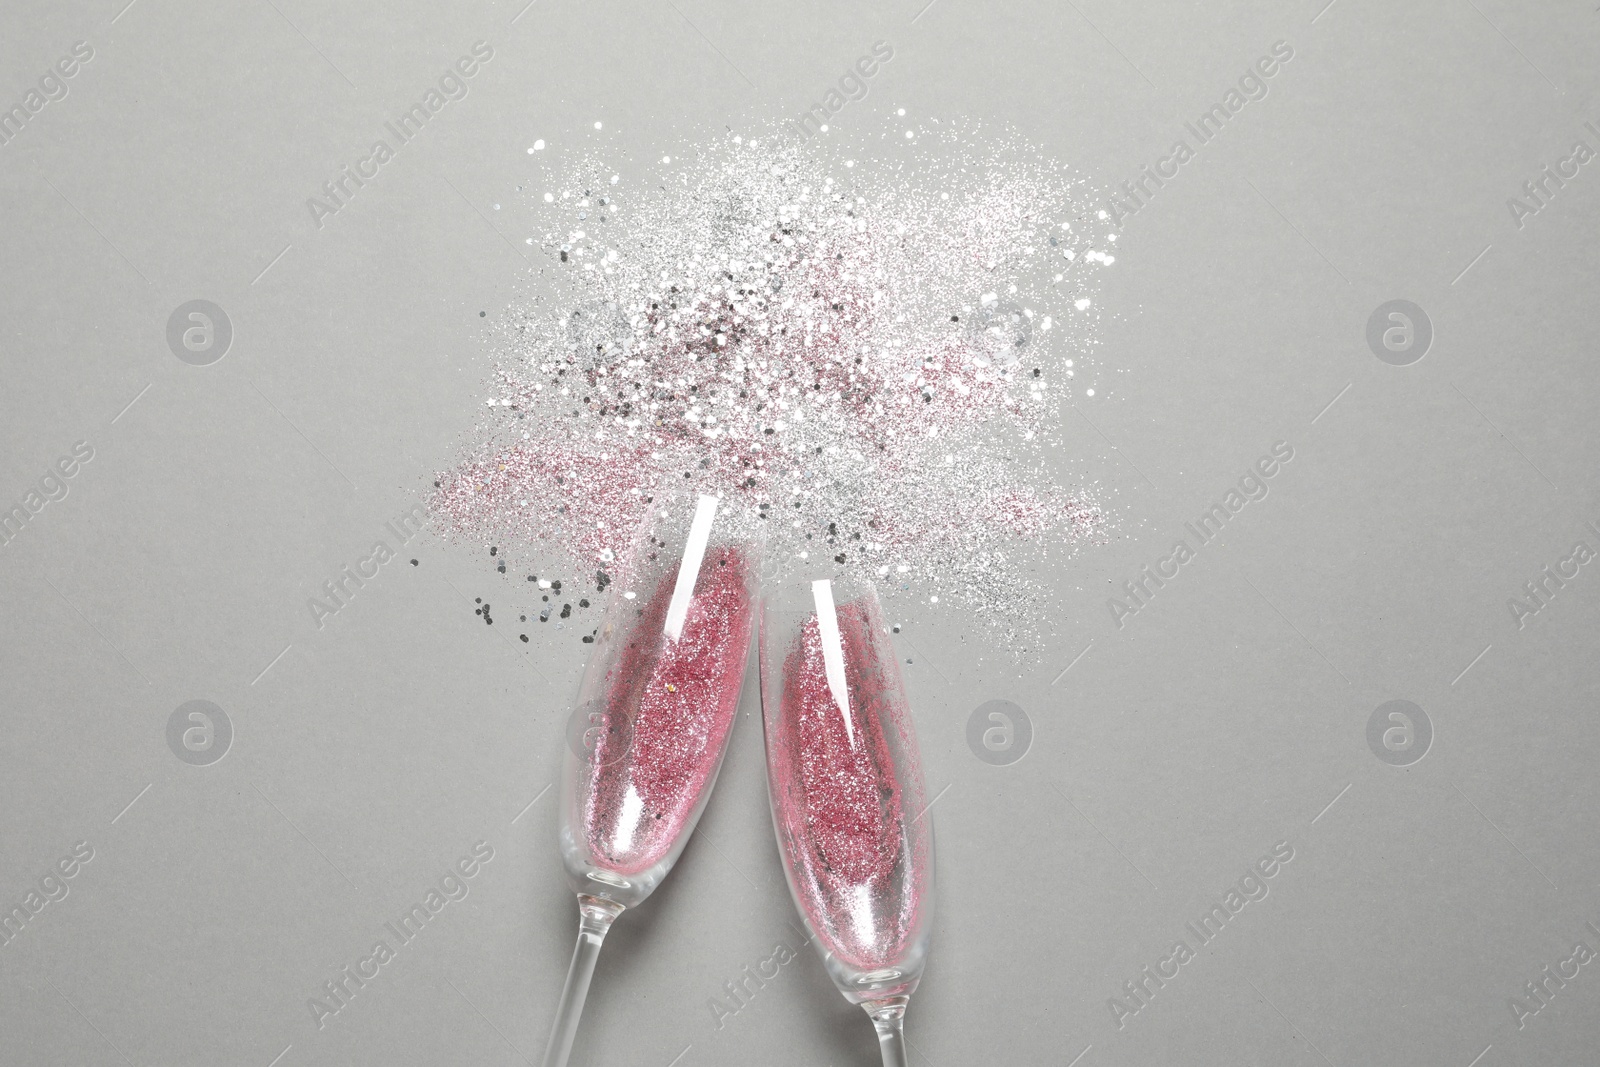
889, 1019
595, 917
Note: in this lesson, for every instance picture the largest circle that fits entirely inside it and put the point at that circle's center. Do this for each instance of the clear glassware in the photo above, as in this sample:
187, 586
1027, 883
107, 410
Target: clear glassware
655, 710
848, 802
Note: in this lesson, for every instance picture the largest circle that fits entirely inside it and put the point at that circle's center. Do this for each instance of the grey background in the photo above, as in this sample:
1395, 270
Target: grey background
1228, 715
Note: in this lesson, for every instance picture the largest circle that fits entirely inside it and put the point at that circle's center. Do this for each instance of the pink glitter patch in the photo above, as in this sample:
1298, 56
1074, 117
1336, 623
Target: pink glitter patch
844, 808
669, 706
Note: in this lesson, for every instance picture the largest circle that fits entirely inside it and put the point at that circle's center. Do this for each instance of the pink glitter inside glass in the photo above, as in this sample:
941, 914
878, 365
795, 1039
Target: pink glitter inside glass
668, 708
843, 806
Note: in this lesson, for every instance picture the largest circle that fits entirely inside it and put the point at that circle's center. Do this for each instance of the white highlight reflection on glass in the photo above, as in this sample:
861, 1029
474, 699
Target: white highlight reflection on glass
689, 569
832, 651
628, 820
862, 913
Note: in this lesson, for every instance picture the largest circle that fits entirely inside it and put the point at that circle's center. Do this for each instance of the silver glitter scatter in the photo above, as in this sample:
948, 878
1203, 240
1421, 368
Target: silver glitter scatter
863, 353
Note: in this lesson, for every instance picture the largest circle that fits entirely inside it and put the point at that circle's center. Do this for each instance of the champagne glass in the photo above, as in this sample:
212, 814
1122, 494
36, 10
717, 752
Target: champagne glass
848, 802
654, 713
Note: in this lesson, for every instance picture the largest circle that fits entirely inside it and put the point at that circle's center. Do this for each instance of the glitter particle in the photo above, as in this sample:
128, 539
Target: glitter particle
746, 328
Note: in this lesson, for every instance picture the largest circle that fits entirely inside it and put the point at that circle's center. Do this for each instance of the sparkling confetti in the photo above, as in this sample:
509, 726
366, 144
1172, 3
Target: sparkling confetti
851, 353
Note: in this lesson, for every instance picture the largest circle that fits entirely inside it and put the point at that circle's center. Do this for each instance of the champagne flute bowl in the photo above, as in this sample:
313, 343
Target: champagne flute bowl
654, 714
848, 801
